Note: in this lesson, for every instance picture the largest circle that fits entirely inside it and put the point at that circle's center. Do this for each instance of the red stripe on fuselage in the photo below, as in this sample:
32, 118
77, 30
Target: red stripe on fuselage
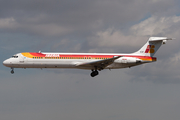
38, 54
94, 56
108, 56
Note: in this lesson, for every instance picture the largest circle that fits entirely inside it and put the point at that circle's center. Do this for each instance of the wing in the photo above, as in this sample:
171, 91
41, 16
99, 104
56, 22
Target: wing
100, 64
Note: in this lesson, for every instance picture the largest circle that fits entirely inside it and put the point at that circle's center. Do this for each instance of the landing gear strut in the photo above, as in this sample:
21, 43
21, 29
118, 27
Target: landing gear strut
94, 73
12, 71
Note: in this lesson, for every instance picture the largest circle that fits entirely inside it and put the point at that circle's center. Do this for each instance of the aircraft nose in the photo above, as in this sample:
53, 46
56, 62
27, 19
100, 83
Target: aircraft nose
6, 62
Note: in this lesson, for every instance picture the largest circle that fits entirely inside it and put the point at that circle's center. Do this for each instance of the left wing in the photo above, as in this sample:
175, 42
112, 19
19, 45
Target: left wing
100, 64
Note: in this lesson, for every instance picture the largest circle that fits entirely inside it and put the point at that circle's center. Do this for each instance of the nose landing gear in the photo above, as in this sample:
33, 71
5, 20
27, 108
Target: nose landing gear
12, 71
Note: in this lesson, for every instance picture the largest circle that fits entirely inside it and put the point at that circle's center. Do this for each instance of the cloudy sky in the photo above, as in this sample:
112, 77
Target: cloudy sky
147, 92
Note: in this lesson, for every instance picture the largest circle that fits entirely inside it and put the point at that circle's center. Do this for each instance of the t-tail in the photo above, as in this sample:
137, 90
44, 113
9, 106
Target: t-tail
152, 45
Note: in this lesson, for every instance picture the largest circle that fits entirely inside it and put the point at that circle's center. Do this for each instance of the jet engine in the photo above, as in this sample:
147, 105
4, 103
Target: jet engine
129, 60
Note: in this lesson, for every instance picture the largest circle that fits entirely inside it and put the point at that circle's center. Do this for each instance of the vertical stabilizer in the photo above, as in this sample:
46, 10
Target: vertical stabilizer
152, 45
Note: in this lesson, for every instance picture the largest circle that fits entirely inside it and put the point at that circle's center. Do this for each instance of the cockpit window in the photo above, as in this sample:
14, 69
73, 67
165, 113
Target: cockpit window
14, 56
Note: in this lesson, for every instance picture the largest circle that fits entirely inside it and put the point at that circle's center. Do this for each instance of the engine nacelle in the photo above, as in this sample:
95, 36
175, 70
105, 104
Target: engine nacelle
128, 60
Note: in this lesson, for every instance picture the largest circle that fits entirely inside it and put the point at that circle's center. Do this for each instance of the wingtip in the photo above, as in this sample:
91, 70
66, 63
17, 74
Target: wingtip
171, 38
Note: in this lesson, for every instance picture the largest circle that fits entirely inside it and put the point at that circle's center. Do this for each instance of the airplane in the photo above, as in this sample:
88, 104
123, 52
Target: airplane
90, 61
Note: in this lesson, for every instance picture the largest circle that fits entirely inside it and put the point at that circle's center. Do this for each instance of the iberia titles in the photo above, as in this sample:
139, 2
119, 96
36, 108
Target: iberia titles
52, 55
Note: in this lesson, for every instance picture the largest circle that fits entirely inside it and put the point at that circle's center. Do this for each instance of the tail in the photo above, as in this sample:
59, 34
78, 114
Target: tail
152, 45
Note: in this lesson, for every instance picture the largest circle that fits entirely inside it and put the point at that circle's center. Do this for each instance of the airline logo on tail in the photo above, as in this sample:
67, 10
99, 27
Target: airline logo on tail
150, 49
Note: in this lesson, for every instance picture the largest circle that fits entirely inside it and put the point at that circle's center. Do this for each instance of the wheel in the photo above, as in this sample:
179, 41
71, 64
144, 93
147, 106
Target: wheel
12, 71
94, 73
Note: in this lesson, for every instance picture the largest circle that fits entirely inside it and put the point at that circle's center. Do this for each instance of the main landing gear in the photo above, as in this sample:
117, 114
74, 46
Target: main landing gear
94, 73
12, 71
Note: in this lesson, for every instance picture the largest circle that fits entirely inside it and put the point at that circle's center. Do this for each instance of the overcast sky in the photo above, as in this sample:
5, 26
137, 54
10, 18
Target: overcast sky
146, 92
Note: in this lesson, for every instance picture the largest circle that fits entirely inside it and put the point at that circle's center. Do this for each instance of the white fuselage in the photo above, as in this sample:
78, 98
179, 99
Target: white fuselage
53, 61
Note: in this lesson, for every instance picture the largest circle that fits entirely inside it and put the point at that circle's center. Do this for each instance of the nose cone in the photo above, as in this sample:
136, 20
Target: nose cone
6, 63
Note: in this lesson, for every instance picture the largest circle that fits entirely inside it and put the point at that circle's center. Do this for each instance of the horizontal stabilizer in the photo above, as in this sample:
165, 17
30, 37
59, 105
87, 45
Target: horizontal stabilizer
159, 38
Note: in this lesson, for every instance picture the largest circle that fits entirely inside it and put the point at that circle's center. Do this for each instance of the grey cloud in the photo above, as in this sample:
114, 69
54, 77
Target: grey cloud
163, 71
156, 25
80, 20
77, 16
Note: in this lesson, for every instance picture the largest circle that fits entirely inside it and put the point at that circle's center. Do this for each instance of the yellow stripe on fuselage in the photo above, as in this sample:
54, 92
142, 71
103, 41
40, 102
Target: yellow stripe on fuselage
27, 55
147, 59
